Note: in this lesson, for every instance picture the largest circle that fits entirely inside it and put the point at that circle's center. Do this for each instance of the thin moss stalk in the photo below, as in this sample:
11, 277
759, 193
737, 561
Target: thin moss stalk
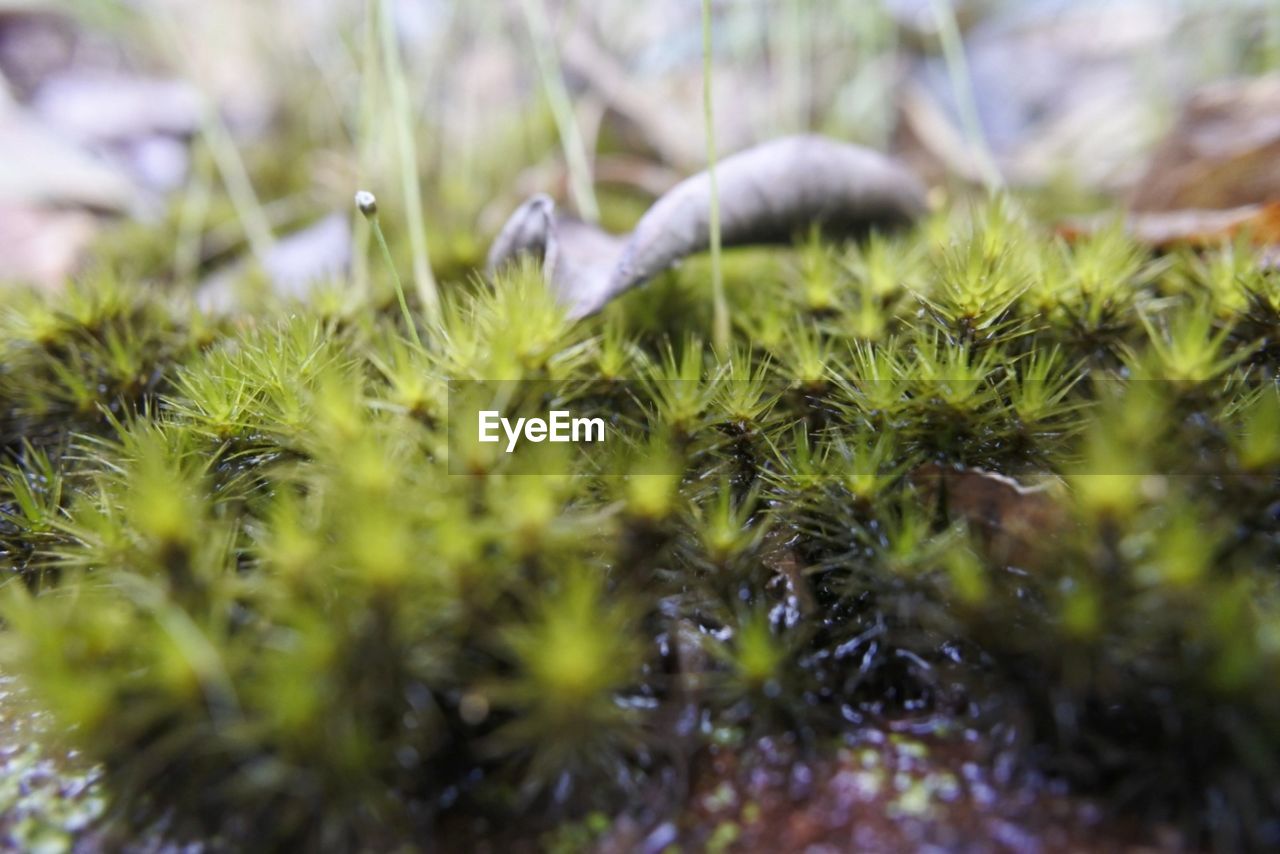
944, 17
368, 206
235, 177
193, 217
572, 143
367, 139
720, 308
410, 181
226, 156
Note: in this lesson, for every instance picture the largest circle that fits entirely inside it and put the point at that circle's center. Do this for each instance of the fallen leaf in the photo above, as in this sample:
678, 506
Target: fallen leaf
1222, 152
768, 194
294, 265
1194, 228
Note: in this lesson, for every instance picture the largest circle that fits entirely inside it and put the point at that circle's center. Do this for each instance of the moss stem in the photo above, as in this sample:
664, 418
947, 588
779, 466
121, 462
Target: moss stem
571, 141
720, 309
368, 205
410, 180
962, 86
367, 141
235, 177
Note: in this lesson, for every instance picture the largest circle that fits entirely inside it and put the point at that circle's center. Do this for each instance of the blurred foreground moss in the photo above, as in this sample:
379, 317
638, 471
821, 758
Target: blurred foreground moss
243, 579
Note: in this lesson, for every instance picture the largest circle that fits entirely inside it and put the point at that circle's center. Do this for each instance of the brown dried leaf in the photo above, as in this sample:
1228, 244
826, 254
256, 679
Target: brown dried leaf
1194, 228
1223, 152
1015, 522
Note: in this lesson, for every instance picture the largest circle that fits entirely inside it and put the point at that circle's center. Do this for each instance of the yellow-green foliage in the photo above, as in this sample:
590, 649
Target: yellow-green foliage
244, 579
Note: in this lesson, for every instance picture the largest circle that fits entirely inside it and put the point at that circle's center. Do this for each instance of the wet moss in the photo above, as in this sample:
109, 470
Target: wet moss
245, 581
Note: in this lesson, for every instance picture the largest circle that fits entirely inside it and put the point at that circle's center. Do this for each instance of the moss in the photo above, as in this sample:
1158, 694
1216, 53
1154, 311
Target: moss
246, 582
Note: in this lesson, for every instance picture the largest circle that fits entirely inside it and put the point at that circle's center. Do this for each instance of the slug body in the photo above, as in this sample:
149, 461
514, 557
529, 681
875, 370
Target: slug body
768, 194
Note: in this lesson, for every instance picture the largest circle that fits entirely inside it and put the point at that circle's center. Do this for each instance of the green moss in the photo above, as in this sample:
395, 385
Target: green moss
245, 582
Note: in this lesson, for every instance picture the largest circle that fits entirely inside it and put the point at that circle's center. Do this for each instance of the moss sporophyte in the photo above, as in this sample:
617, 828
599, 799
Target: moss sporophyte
245, 583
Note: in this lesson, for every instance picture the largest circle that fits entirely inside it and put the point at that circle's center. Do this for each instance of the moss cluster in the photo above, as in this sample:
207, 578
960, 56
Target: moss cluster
245, 581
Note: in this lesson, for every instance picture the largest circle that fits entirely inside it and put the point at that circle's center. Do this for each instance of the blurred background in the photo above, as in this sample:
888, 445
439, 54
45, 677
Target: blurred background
201, 143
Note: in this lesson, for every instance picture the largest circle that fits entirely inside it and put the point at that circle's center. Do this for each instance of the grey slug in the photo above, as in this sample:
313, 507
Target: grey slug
768, 194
